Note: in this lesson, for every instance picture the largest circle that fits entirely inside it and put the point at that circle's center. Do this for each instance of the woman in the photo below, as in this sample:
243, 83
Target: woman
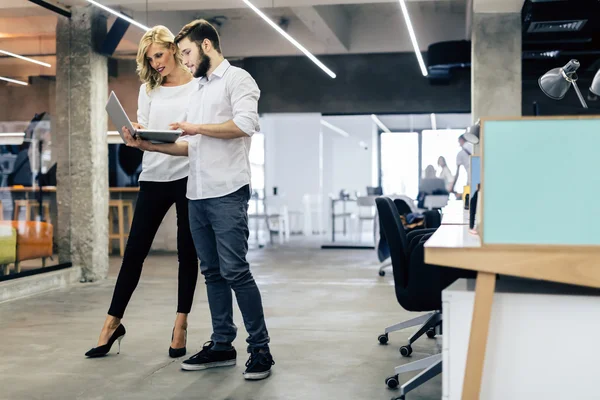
445, 173
162, 99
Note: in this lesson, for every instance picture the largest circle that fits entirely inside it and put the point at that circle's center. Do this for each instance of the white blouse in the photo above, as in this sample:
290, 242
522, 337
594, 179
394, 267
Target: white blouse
156, 110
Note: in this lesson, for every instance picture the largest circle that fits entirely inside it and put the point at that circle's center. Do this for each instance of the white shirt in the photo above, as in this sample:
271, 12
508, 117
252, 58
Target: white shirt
156, 110
464, 158
219, 167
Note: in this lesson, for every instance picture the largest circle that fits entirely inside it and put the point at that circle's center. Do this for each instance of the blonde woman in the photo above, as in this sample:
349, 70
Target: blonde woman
167, 85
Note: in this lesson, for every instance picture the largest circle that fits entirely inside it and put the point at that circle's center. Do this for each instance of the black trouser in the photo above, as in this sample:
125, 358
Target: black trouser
154, 200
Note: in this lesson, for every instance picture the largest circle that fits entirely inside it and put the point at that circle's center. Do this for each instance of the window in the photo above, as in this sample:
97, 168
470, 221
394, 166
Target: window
257, 168
400, 163
443, 143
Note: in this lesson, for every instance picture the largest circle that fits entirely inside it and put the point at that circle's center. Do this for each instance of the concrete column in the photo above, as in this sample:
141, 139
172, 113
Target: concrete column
496, 64
80, 142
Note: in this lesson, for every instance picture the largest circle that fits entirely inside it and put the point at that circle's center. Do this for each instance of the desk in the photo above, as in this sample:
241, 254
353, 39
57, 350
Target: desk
456, 218
455, 246
344, 214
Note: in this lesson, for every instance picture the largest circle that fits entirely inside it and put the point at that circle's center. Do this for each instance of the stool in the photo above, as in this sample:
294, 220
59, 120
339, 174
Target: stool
32, 205
120, 206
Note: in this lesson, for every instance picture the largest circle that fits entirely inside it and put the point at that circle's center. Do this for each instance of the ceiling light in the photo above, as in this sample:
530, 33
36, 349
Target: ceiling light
290, 39
379, 123
13, 81
433, 122
118, 14
335, 128
413, 38
31, 60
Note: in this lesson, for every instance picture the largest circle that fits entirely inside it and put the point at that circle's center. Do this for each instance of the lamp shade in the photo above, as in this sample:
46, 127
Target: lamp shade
556, 82
595, 88
472, 133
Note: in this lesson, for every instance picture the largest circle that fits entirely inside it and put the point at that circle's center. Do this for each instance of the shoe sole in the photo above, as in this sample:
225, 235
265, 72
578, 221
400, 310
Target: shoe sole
256, 376
200, 367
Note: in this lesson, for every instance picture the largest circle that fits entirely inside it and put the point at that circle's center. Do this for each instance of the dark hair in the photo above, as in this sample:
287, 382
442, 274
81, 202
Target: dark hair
198, 30
462, 137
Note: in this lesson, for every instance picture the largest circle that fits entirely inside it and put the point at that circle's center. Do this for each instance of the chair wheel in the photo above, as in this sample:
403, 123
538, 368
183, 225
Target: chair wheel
431, 333
383, 339
392, 382
382, 273
406, 350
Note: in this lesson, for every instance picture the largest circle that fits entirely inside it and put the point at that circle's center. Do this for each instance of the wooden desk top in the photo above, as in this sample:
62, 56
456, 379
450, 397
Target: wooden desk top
455, 246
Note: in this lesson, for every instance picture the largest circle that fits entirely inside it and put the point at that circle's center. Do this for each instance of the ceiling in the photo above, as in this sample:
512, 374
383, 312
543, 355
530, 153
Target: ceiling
322, 26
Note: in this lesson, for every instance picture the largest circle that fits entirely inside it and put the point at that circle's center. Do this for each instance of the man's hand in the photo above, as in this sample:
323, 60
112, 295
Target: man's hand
136, 142
187, 128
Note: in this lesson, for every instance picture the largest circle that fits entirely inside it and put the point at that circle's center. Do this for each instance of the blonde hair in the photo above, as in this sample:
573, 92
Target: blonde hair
163, 36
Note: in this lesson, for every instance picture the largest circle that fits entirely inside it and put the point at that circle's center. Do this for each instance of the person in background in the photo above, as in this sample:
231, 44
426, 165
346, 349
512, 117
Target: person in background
429, 172
462, 159
445, 173
163, 97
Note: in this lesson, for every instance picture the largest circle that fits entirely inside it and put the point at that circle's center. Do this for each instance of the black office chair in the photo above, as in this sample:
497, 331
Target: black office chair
418, 288
433, 220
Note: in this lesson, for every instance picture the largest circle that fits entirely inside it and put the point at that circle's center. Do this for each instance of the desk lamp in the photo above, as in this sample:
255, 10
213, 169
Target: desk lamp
472, 133
556, 82
595, 88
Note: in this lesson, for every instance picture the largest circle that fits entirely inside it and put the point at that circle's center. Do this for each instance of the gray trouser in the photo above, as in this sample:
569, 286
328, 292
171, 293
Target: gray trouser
220, 231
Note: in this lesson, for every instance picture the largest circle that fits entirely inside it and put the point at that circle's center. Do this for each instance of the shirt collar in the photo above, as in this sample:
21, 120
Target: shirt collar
219, 72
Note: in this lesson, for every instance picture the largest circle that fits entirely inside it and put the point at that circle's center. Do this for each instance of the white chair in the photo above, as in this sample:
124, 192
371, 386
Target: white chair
278, 218
366, 212
313, 215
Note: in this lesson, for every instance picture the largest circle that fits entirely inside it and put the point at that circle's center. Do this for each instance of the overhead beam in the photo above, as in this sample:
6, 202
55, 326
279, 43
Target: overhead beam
497, 6
330, 25
54, 6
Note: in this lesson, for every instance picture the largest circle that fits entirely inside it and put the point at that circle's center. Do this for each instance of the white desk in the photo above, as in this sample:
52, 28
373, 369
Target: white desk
529, 352
455, 246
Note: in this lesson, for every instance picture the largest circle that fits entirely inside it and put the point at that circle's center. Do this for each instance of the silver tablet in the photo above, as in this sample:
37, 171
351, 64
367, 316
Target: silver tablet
119, 119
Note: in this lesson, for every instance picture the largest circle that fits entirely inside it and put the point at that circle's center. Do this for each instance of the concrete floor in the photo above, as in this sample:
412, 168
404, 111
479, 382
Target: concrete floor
324, 309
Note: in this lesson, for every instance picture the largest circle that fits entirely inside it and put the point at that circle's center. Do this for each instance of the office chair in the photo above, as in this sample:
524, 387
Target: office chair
418, 288
433, 220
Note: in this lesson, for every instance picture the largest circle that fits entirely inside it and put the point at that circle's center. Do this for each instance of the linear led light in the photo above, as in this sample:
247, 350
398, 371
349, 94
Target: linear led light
290, 39
380, 124
118, 14
13, 81
335, 128
413, 38
433, 122
31, 60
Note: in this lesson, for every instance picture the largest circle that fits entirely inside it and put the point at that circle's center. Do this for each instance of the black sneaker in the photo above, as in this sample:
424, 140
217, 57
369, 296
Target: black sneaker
258, 366
208, 358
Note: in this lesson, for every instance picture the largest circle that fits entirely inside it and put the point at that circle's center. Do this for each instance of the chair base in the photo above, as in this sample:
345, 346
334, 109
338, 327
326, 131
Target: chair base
431, 366
383, 267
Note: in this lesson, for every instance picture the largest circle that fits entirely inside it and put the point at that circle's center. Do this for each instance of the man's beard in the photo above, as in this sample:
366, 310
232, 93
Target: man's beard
203, 66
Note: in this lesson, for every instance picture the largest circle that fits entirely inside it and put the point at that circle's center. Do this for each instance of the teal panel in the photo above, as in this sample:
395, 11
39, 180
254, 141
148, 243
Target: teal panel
475, 172
541, 182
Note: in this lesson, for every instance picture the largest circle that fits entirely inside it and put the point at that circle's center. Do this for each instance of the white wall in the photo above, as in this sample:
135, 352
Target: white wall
292, 156
351, 164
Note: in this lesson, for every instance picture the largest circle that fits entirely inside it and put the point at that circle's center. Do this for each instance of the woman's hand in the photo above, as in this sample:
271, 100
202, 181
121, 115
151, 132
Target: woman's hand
136, 142
137, 126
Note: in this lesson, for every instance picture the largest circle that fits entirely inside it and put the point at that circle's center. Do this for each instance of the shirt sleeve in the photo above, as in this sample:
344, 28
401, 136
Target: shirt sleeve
143, 111
244, 102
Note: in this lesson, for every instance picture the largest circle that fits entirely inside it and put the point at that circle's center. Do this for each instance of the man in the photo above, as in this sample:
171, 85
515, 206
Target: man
462, 159
222, 117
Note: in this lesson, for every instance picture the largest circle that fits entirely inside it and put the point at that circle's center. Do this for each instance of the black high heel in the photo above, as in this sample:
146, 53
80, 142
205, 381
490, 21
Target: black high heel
176, 353
101, 351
